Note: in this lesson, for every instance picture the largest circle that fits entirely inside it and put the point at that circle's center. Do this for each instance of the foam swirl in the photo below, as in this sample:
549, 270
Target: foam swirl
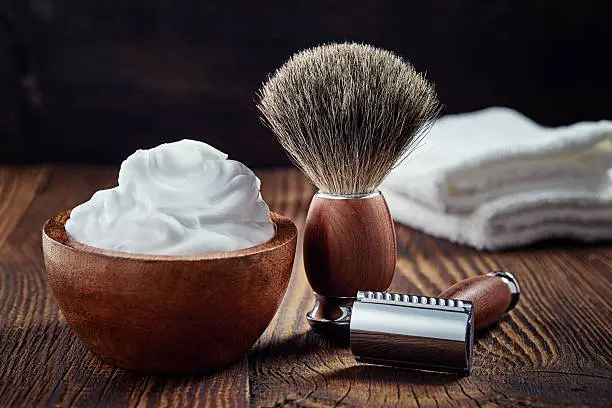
179, 198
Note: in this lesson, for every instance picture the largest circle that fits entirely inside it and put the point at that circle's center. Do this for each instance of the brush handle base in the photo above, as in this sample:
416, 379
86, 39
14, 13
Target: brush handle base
331, 316
349, 244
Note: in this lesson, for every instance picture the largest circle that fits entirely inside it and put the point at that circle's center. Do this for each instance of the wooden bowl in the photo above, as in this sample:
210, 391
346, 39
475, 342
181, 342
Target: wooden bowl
168, 314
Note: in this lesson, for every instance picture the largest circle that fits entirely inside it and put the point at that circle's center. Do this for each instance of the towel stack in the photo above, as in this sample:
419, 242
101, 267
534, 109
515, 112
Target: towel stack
494, 179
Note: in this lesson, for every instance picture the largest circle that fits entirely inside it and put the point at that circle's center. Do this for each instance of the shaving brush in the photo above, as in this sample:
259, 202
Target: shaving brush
346, 113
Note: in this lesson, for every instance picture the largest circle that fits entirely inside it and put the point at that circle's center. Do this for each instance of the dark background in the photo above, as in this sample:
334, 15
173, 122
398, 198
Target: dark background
92, 81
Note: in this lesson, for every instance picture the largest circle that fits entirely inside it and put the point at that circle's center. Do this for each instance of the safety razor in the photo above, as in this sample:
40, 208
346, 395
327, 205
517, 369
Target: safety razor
419, 332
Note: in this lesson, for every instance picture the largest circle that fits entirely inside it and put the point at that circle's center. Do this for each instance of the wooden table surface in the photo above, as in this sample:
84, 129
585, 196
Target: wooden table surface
553, 350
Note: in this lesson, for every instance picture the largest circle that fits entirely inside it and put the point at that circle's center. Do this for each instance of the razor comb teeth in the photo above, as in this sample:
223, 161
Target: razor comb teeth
395, 298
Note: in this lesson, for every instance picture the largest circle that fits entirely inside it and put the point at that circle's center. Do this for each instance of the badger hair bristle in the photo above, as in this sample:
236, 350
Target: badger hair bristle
346, 113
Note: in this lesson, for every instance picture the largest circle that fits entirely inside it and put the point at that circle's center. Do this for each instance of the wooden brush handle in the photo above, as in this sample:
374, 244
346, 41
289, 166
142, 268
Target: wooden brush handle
492, 295
349, 244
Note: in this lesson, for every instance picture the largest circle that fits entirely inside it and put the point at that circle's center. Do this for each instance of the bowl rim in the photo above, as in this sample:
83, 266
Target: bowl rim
285, 232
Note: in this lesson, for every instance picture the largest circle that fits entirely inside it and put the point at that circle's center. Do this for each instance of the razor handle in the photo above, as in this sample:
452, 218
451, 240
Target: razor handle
492, 295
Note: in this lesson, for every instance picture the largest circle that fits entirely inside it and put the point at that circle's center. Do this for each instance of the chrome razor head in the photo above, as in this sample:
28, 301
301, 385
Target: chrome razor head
416, 332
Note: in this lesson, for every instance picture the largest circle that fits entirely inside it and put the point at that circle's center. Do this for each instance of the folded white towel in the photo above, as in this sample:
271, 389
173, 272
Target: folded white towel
472, 158
516, 219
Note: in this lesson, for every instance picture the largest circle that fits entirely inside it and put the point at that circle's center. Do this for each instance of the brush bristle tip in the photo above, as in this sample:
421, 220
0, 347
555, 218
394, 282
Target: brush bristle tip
346, 113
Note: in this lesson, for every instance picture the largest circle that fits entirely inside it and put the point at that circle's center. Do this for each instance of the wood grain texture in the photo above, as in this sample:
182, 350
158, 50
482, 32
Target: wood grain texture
553, 350
41, 361
489, 294
168, 314
349, 245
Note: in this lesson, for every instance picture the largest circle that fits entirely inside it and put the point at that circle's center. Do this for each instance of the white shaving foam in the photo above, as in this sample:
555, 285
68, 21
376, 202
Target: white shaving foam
181, 198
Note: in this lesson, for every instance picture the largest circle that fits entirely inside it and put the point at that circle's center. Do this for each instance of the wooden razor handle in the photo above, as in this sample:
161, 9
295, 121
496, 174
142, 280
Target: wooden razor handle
492, 295
349, 244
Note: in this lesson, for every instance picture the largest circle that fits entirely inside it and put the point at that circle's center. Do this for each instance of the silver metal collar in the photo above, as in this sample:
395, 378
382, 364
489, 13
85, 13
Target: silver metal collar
348, 196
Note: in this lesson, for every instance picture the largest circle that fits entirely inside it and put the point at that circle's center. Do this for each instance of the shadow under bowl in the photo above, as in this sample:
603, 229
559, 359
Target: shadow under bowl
168, 314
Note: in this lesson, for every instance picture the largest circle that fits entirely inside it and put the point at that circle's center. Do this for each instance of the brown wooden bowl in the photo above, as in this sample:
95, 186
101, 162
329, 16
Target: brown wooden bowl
168, 314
